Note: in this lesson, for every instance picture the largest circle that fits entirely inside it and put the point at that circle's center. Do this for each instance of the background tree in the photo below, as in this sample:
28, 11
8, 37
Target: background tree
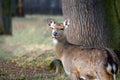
93, 22
5, 17
1, 18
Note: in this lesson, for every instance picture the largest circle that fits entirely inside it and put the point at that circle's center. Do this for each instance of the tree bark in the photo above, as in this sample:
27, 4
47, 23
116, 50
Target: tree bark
5, 17
1, 18
87, 22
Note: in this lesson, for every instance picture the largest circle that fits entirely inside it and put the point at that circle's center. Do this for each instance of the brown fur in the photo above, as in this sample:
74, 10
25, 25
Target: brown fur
86, 62
79, 61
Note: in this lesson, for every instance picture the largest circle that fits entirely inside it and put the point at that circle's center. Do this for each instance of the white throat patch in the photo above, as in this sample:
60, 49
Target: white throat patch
55, 41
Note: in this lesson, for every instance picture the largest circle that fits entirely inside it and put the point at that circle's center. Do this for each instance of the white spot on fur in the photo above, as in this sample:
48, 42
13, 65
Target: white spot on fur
109, 68
66, 23
95, 79
66, 27
55, 41
114, 67
82, 77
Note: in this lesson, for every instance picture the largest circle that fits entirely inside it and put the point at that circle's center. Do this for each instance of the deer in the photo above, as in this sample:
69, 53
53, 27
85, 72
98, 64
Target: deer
81, 62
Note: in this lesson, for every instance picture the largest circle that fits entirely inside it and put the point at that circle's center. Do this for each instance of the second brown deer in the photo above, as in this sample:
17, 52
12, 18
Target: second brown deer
83, 63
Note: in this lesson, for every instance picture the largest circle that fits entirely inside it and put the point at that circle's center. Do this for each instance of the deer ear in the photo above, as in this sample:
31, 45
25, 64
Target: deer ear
50, 22
66, 23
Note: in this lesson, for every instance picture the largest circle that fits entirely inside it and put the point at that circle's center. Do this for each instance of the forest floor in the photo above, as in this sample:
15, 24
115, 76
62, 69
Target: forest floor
28, 52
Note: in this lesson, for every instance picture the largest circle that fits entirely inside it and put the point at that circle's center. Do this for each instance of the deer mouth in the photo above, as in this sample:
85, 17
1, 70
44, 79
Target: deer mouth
54, 36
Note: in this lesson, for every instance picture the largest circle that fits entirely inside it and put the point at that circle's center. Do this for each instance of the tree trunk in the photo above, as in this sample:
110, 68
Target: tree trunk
1, 18
5, 17
87, 22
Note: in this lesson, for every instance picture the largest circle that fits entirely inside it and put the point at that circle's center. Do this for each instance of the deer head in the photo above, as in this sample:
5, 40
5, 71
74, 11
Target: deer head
58, 29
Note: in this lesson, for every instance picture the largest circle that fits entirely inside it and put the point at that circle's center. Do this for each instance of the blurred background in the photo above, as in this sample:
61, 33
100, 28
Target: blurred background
36, 7
26, 47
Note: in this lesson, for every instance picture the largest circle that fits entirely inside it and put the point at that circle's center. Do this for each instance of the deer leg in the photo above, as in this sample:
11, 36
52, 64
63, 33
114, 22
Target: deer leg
73, 77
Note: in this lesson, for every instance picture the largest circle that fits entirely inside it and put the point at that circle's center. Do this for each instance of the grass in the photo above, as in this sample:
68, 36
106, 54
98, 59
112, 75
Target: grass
30, 44
29, 32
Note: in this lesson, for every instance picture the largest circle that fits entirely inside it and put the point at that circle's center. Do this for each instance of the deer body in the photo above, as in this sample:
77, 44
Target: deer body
82, 62
75, 63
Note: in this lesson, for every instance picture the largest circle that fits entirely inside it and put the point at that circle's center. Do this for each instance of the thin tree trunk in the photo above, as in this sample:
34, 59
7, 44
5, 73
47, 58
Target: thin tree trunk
5, 17
1, 18
87, 22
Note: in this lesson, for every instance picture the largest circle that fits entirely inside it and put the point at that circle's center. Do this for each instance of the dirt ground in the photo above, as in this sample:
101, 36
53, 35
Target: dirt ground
30, 64
11, 71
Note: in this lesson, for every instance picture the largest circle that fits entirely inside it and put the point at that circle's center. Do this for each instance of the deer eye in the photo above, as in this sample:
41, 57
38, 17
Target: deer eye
62, 29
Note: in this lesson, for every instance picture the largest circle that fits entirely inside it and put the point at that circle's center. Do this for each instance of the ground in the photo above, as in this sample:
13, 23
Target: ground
28, 52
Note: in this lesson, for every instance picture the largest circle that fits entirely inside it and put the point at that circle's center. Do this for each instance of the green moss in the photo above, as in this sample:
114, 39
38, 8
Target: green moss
113, 22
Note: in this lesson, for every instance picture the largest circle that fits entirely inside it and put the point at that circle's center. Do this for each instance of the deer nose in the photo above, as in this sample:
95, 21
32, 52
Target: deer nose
55, 33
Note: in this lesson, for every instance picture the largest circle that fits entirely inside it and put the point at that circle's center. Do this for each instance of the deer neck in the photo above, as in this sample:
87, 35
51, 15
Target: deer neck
60, 46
